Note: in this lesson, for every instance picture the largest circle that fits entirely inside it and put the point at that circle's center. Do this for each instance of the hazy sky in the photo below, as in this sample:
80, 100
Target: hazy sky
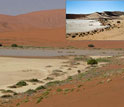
14, 7
78, 7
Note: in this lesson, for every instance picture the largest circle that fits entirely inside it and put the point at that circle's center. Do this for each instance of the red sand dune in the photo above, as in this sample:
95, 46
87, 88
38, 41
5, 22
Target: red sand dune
43, 28
91, 94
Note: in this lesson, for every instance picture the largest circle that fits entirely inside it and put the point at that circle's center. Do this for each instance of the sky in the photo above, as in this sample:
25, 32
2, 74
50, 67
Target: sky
86, 7
15, 7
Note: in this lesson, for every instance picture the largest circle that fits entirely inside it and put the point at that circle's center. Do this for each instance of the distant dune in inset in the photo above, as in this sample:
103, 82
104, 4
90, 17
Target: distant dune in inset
105, 14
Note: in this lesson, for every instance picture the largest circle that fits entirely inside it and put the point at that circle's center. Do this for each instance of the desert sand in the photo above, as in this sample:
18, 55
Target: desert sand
103, 90
104, 95
13, 70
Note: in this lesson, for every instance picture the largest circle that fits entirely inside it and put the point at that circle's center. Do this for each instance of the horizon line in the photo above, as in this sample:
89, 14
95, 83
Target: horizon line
32, 12
94, 12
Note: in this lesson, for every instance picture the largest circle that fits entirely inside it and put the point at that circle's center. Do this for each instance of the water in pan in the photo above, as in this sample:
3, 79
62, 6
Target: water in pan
79, 25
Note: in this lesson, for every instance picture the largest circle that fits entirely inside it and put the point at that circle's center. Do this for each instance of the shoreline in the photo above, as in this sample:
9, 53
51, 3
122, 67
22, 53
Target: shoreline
109, 25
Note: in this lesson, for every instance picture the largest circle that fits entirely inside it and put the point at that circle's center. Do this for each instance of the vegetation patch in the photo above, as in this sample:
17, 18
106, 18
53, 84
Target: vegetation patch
69, 78
102, 60
33, 80
67, 90
59, 90
92, 61
30, 91
14, 45
91, 45
79, 86
6, 96
40, 88
7, 91
1, 45
49, 78
18, 104
53, 83
19, 84
79, 58
39, 99
57, 70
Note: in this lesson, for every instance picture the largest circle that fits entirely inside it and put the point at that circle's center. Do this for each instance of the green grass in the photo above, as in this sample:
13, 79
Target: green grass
33, 80
46, 93
14, 45
39, 99
6, 96
92, 61
26, 100
59, 90
7, 91
53, 83
78, 58
91, 45
67, 90
102, 60
18, 104
79, 86
21, 83
40, 88
30, 91
69, 78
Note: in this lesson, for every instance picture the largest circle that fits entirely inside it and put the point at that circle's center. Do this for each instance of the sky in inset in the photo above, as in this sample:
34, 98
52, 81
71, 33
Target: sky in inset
85, 7
15, 7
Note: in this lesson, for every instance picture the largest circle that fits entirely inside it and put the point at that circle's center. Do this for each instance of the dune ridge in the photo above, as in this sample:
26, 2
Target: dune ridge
33, 20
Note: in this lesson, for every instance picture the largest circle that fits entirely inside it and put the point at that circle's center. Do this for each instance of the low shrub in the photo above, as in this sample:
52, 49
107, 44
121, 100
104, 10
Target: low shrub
92, 61
91, 45
40, 88
30, 91
118, 22
21, 83
33, 80
53, 83
14, 45
59, 90
39, 99
1, 45
6, 96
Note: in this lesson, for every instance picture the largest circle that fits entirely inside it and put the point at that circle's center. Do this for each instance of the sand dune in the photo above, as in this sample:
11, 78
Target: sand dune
35, 20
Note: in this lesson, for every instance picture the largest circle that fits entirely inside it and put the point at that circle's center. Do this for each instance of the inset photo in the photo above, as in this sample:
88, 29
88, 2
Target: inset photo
94, 20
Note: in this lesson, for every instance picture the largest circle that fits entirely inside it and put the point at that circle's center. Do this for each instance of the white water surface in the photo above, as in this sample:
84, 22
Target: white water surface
79, 25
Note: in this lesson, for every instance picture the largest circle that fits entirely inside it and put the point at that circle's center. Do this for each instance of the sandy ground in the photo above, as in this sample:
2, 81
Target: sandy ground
12, 70
99, 96
91, 93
